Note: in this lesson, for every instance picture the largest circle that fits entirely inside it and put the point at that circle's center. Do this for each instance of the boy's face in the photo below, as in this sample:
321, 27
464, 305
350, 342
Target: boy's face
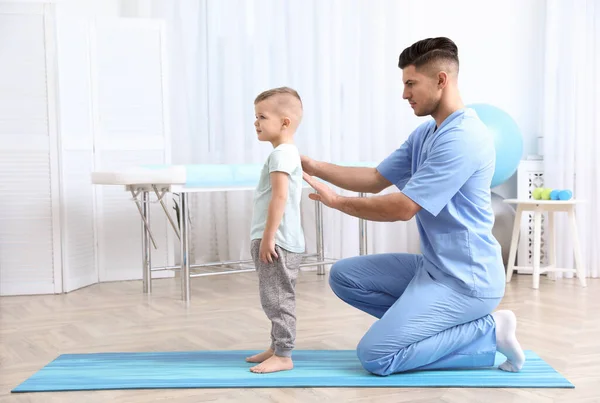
269, 123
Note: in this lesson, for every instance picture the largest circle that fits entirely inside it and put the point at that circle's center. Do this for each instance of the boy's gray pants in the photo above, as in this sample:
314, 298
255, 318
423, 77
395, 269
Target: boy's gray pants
277, 285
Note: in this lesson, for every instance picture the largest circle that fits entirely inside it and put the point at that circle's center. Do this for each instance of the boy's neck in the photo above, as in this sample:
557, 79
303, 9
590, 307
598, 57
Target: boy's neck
277, 142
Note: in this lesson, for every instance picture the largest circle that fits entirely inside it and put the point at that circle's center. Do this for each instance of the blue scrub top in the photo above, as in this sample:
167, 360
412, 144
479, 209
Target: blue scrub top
448, 172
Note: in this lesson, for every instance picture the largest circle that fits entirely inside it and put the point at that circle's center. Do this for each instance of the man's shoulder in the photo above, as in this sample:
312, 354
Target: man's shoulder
467, 128
467, 136
469, 123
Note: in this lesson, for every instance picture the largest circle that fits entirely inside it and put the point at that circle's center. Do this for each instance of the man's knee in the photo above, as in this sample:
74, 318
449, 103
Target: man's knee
381, 356
373, 358
338, 277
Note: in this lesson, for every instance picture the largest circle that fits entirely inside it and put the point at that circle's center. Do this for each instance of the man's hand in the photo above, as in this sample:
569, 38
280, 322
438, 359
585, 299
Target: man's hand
324, 194
308, 165
267, 252
387, 208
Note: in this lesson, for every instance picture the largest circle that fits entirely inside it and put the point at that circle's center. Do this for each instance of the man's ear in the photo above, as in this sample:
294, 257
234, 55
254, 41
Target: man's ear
286, 122
442, 79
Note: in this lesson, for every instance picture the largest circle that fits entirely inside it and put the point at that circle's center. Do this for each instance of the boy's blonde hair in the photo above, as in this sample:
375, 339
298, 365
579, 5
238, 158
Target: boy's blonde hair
277, 91
287, 102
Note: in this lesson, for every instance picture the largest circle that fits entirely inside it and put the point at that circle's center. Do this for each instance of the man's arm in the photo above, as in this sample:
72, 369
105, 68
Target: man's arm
387, 208
392, 207
393, 170
355, 179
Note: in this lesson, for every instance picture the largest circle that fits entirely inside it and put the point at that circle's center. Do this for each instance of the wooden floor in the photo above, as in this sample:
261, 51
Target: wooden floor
560, 322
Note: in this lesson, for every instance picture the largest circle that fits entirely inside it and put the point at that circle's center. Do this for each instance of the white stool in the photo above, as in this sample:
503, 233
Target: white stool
538, 207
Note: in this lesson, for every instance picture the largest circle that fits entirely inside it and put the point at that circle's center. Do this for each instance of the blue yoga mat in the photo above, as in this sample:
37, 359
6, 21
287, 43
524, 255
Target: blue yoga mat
227, 369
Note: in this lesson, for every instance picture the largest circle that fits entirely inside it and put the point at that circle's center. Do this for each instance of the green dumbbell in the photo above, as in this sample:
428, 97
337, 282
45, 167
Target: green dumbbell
537, 193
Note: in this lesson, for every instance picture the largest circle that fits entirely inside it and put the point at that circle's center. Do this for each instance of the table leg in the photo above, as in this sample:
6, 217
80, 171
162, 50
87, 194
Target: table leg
184, 243
537, 243
146, 250
362, 234
319, 228
514, 243
551, 238
577, 248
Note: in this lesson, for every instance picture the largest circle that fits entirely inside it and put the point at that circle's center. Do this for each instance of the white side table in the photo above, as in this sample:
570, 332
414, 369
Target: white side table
538, 207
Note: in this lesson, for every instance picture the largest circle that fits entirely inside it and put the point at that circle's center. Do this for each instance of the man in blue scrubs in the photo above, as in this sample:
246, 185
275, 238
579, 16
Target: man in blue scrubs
434, 309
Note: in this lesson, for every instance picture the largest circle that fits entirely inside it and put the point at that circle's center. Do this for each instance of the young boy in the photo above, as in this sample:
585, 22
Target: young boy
277, 238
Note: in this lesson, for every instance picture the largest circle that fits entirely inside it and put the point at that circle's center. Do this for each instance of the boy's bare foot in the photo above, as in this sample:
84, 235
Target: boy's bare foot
260, 357
273, 364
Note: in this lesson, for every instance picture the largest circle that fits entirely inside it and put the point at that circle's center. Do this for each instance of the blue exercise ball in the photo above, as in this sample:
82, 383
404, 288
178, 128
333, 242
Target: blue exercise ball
508, 140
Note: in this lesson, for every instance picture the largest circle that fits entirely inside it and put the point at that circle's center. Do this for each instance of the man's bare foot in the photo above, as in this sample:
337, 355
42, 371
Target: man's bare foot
260, 357
273, 364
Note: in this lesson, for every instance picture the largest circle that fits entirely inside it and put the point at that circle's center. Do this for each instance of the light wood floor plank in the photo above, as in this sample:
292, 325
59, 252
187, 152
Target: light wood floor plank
560, 322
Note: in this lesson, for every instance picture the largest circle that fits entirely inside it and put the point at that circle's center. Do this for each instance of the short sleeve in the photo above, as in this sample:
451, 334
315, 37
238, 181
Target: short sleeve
452, 160
283, 161
396, 167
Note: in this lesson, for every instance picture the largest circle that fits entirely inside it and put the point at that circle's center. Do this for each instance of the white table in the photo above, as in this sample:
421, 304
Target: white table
181, 180
539, 207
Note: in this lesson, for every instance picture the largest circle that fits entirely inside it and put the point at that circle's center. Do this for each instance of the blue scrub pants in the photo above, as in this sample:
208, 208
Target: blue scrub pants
422, 324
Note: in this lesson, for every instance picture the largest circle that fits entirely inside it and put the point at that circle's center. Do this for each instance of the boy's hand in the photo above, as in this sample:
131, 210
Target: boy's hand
267, 252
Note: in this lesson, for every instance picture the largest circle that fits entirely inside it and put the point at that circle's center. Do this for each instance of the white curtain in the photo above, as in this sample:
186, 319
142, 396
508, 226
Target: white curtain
341, 56
571, 121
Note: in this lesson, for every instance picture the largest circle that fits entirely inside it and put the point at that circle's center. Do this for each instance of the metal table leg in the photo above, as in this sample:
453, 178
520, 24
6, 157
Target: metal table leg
319, 227
362, 233
146, 250
184, 242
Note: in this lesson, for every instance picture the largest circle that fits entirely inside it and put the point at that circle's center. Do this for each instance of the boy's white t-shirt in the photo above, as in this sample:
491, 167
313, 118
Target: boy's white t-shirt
289, 235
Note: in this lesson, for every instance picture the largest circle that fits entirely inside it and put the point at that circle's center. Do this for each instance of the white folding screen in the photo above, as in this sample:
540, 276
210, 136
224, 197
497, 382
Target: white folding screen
130, 128
76, 94
77, 153
30, 258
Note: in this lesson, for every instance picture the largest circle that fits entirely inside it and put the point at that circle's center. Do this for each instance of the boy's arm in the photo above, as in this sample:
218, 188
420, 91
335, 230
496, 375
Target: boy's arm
279, 189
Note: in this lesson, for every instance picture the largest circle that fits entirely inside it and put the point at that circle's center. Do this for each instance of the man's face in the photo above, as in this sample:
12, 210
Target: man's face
421, 91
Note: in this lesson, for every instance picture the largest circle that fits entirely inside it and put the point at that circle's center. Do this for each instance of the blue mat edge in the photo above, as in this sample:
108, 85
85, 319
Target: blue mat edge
22, 388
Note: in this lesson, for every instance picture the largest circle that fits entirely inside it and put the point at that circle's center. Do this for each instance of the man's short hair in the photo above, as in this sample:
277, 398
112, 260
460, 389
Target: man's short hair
429, 50
277, 91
